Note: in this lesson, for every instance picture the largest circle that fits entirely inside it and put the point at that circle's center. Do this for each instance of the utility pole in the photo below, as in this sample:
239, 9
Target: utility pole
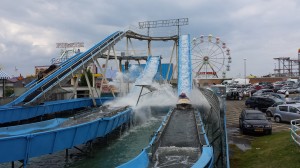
245, 69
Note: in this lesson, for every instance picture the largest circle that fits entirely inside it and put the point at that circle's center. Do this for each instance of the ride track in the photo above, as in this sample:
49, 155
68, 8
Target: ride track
181, 135
31, 140
22, 147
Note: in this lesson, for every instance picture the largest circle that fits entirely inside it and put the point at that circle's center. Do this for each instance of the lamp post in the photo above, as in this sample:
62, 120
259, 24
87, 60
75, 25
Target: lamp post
274, 69
245, 69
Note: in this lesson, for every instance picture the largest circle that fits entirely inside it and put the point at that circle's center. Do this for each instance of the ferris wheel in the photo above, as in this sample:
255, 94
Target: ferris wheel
210, 57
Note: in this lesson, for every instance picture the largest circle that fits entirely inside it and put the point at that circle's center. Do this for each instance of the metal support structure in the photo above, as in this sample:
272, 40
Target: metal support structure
67, 155
103, 74
90, 88
171, 59
140, 95
75, 87
245, 74
164, 23
176, 64
287, 67
149, 47
298, 62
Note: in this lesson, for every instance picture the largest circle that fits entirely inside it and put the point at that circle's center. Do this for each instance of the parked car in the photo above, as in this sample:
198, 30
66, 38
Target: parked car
277, 95
249, 91
290, 89
271, 110
233, 94
277, 87
254, 121
287, 112
296, 99
261, 102
262, 91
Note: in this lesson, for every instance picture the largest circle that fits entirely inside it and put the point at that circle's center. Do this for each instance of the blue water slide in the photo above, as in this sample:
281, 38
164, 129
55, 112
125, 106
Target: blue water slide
17, 113
67, 70
31, 128
142, 160
22, 147
33, 82
184, 66
150, 70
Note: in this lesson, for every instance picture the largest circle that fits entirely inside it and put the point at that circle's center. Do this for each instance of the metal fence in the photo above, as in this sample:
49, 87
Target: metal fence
215, 127
295, 131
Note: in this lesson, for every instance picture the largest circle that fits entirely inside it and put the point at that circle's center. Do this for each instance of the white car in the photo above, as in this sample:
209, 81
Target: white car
287, 88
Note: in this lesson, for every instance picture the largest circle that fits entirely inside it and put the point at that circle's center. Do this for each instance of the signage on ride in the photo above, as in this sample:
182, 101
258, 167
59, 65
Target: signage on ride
206, 73
58, 60
70, 45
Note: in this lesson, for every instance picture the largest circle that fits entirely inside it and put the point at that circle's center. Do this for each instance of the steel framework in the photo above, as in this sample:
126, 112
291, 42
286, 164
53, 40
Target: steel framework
286, 67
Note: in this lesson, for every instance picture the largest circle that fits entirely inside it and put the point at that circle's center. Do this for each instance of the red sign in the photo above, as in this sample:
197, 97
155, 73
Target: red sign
206, 73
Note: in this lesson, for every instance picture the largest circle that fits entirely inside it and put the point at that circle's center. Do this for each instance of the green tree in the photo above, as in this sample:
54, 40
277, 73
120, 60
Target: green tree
9, 91
83, 80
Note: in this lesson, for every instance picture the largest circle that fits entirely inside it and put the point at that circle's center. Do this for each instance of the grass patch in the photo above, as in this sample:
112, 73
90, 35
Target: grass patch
276, 150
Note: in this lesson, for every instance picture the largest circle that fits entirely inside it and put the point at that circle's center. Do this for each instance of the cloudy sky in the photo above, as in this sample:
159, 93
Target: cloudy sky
258, 30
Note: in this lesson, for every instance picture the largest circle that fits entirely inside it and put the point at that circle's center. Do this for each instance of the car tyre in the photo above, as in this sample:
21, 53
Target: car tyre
242, 130
269, 114
277, 119
269, 132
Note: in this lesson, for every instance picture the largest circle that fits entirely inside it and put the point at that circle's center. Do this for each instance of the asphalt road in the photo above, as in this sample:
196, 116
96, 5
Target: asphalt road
233, 110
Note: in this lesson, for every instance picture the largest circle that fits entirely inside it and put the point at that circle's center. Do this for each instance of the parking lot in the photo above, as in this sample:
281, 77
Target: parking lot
234, 108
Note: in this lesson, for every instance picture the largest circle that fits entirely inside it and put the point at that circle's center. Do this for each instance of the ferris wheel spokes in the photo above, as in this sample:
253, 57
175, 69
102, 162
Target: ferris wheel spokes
209, 56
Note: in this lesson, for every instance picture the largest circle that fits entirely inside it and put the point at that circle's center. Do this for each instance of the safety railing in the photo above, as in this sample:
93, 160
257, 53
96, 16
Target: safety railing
215, 126
295, 131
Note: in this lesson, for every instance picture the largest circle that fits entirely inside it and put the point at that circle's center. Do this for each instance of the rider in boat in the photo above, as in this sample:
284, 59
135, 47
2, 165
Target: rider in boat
183, 102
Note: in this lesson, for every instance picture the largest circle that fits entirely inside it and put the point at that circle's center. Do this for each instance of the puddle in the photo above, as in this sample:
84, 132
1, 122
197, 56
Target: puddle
241, 141
243, 147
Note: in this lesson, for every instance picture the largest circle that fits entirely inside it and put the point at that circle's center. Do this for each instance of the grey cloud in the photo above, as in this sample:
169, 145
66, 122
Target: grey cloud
253, 29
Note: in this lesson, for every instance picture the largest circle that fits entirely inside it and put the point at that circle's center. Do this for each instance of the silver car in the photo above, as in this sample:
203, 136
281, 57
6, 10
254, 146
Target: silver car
287, 112
271, 110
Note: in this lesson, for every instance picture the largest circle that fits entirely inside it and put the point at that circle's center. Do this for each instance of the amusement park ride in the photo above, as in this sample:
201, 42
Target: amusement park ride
192, 130
211, 57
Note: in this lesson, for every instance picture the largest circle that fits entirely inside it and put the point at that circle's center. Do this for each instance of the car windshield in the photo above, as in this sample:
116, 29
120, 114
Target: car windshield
296, 98
277, 103
255, 116
277, 100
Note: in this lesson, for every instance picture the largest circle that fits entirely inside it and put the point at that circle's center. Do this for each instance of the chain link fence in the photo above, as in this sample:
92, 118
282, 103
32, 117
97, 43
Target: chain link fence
215, 126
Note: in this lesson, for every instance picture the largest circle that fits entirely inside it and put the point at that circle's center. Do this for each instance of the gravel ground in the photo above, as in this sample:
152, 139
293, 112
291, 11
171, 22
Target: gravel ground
233, 110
